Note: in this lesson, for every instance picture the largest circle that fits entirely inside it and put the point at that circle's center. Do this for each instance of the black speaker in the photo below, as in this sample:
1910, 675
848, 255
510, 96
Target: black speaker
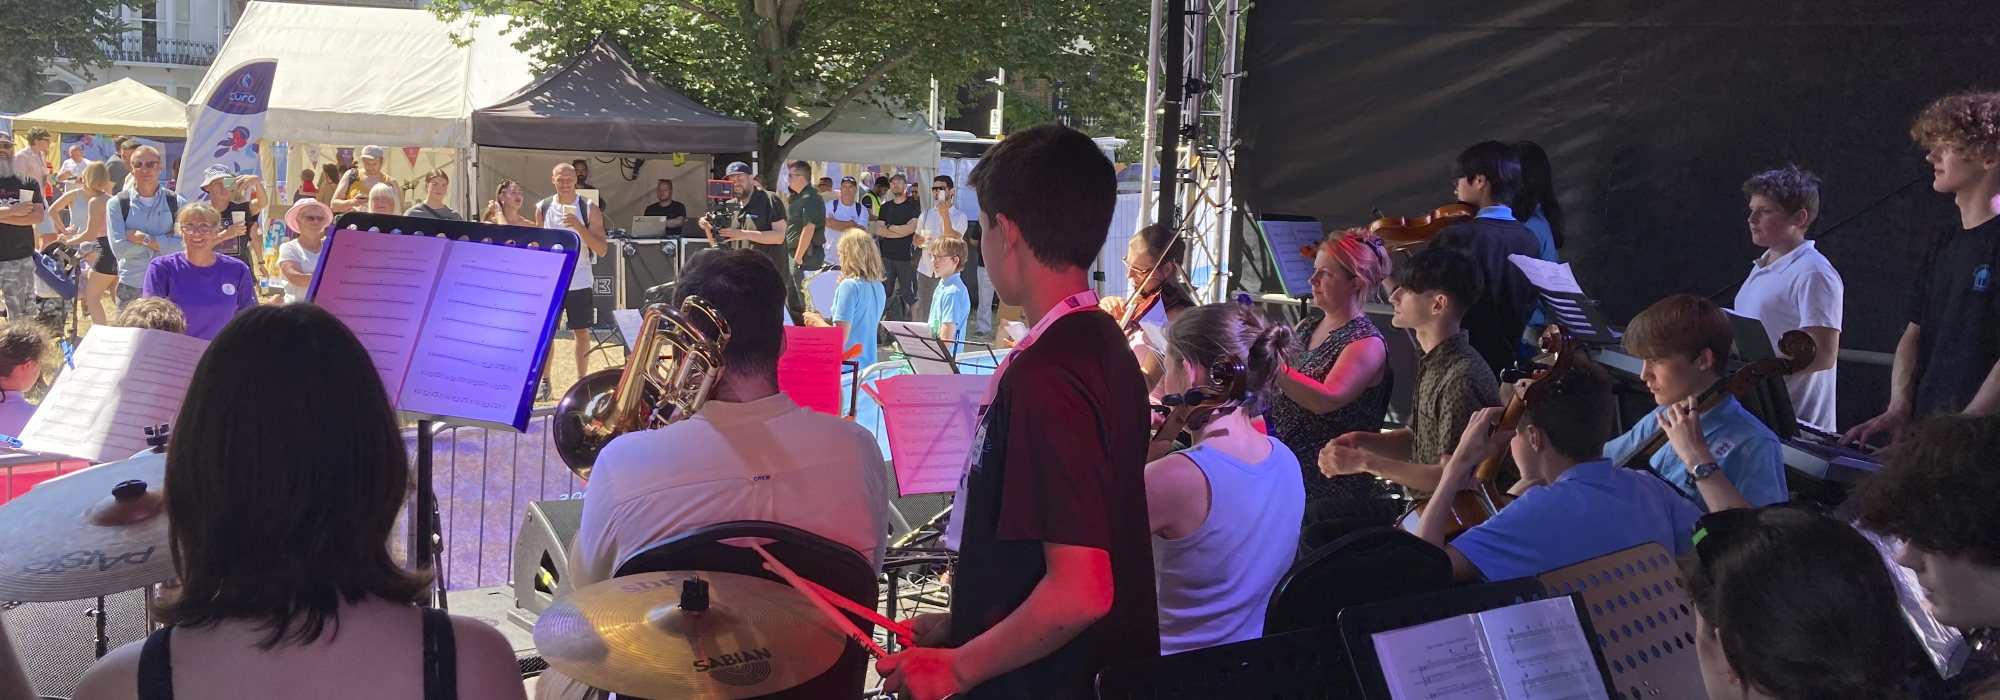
541, 557
648, 263
57, 642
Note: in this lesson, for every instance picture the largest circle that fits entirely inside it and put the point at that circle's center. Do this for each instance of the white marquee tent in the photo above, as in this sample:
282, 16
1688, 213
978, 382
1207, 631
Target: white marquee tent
369, 75
869, 134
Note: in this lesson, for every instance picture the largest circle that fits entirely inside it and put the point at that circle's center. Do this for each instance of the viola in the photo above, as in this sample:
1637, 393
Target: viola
1484, 499
1798, 350
1226, 378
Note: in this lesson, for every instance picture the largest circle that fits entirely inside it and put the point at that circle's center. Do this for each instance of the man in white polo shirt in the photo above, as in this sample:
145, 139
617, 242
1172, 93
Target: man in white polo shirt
750, 453
1792, 286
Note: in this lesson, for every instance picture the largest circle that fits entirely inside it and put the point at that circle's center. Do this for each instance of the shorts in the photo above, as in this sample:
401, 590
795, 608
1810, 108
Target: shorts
579, 308
107, 264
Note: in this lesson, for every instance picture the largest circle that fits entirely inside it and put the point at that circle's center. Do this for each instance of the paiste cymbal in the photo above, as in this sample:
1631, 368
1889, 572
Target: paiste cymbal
71, 538
629, 635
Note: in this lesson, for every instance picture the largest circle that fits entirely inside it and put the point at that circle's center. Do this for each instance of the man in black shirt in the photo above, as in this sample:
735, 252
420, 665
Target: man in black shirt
21, 207
675, 212
1055, 573
1488, 176
760, 214
895, 223
1946, 360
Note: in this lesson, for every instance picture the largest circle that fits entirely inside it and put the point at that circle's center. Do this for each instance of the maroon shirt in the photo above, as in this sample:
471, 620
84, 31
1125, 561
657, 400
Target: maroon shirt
1063, 462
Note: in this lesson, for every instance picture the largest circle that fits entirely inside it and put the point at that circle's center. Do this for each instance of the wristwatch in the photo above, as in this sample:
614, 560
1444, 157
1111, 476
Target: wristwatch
1701, 471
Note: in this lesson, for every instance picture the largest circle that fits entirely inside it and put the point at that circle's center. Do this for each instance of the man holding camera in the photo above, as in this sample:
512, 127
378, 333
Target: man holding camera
759, 219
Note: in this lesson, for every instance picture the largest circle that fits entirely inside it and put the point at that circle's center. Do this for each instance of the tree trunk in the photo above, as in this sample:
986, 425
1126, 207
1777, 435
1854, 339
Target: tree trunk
771, 154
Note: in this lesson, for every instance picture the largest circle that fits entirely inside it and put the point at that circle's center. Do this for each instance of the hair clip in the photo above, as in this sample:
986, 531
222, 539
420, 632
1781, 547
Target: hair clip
1244, 299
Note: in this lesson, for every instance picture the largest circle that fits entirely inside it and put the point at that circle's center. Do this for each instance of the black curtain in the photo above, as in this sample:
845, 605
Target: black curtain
1653, 113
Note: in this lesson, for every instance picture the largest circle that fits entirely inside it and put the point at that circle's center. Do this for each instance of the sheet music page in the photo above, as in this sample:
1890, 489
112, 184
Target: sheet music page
629, 322
1284, 238
809, 371
919, 347
1554, 277
1540, 653
487, 331
1442, 660
125, 381
380, 285
931, 420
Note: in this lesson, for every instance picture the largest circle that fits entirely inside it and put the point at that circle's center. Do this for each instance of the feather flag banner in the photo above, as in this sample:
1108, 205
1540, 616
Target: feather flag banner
225, 129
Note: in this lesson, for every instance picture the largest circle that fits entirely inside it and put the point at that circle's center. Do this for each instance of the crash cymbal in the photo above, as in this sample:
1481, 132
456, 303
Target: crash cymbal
645, 636
95, 531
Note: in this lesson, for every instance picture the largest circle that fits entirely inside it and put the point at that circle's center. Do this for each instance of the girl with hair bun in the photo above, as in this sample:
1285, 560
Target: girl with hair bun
1338, 381
1795, 605
1225, 512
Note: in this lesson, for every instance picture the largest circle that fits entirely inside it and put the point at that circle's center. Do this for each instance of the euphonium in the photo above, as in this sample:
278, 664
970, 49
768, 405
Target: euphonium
653, 389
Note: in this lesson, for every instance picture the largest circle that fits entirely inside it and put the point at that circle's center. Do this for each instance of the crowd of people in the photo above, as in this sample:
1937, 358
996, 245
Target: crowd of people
1077, 549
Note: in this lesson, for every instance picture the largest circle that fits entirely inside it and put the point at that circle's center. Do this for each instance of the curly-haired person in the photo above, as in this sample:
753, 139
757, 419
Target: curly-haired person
1945, 362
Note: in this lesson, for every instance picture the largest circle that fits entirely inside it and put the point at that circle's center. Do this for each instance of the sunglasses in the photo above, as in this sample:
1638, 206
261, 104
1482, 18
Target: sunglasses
146, 164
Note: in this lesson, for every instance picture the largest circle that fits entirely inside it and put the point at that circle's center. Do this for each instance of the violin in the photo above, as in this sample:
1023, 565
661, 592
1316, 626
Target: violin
1137, 308
1226, 378
1484, 499
1798, 349
1402, 232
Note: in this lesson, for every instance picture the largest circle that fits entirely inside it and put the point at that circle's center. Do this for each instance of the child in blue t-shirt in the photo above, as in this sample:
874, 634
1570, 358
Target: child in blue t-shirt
951, 303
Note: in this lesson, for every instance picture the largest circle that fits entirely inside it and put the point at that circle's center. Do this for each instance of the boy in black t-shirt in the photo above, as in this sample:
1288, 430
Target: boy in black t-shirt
1488, 176
1055, 574
1949, 357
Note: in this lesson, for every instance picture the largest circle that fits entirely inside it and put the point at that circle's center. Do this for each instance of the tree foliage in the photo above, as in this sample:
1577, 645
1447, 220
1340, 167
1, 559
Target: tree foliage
39, 32
759, 59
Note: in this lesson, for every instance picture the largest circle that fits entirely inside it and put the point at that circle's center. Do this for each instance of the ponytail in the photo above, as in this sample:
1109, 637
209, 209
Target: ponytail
1205, 333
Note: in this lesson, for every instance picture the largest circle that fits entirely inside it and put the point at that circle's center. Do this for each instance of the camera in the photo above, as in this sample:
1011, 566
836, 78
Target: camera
722, 204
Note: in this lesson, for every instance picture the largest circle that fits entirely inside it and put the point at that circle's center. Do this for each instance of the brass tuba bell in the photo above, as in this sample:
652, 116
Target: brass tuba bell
652, 390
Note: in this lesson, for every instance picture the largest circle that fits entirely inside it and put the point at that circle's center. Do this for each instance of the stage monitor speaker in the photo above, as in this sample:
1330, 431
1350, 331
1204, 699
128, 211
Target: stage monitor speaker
541, 557
649, 265
57, 642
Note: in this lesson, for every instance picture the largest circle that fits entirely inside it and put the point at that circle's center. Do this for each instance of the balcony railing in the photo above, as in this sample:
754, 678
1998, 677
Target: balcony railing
139, 48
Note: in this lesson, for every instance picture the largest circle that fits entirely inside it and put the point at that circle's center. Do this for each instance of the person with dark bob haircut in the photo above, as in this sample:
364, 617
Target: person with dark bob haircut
1937, 494
1488, 177
1055, 569
1794, 605
280, 524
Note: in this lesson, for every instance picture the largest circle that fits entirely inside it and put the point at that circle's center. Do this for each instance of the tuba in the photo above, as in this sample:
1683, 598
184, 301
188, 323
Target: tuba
652, 390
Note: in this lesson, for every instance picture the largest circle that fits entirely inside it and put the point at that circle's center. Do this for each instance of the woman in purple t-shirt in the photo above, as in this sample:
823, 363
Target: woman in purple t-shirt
209, 288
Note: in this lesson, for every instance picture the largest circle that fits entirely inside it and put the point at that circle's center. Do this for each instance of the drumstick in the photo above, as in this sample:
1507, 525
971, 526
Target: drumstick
845, 625
866, 613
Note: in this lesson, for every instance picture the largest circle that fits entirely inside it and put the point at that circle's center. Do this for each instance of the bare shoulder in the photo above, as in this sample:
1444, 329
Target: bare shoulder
486, 664
1173, 477
114, 677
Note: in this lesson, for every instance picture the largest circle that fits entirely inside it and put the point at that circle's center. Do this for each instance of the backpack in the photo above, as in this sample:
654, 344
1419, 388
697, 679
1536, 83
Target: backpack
582, 212
125, 203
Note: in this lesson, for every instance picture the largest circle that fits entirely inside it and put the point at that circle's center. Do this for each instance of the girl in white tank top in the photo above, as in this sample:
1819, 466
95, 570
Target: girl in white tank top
1225, 513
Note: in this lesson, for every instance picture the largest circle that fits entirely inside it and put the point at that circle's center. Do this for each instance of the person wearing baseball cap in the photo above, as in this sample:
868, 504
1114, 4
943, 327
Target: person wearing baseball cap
760, 219
352, 193
220, 188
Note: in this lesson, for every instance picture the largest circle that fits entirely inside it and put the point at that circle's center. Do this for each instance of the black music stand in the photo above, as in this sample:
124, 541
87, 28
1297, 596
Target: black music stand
1358, 624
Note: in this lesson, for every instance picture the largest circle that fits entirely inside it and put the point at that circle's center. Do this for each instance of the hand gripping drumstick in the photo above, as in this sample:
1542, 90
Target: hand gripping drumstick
831, 604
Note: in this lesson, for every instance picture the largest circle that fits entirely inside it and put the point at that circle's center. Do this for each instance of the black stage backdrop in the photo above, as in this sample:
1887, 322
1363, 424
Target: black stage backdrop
1653, 114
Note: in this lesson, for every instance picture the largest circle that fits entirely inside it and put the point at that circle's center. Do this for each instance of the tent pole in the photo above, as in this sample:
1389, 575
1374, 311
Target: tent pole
468, 166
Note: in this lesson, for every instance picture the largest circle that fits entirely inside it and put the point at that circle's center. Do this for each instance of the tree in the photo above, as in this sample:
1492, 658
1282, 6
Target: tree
759, 59
37, 33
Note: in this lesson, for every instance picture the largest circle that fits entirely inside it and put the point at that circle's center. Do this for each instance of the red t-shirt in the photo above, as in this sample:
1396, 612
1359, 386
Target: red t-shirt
1064, 462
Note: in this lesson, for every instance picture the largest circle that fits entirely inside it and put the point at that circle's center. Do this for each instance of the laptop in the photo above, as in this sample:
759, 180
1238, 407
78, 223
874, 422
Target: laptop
648, 227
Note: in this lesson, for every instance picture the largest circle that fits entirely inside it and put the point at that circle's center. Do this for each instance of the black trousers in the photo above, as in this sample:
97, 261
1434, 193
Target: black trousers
900, 282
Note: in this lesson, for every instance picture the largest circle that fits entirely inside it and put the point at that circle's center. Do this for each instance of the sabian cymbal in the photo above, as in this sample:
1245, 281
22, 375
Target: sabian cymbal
632, 636
71, 537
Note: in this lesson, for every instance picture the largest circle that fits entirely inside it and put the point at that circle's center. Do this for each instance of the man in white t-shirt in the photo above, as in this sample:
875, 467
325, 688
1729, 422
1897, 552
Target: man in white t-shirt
1792, 286
941, 219
844, 213
750, 453
566, 211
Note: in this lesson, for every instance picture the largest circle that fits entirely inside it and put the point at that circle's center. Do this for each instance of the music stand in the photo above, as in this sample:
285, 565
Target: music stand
1638, 603
928, 354
1359, 624
1752, 342
1284, 237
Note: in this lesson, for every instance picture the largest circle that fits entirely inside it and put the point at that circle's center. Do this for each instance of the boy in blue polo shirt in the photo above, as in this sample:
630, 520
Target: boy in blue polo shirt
1683, 341
950, 302
1582, 507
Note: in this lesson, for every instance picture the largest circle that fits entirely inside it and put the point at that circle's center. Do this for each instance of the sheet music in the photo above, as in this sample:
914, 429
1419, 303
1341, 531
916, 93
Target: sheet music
487, 326
1442, 660
629, 322
931, 420
1540, 653
925, 353
809, 370
125, 381
1154, 325
380, 285
1554, 277
1283, 239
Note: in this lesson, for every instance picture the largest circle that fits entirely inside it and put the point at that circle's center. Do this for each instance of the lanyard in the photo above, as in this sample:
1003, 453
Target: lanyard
1085, 300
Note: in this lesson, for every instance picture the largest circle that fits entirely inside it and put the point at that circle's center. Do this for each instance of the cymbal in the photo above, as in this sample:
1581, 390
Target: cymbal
631, 635
70, 537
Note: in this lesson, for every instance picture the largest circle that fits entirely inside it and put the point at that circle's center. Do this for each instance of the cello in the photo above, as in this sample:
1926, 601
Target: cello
1484, 498
1798, 350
